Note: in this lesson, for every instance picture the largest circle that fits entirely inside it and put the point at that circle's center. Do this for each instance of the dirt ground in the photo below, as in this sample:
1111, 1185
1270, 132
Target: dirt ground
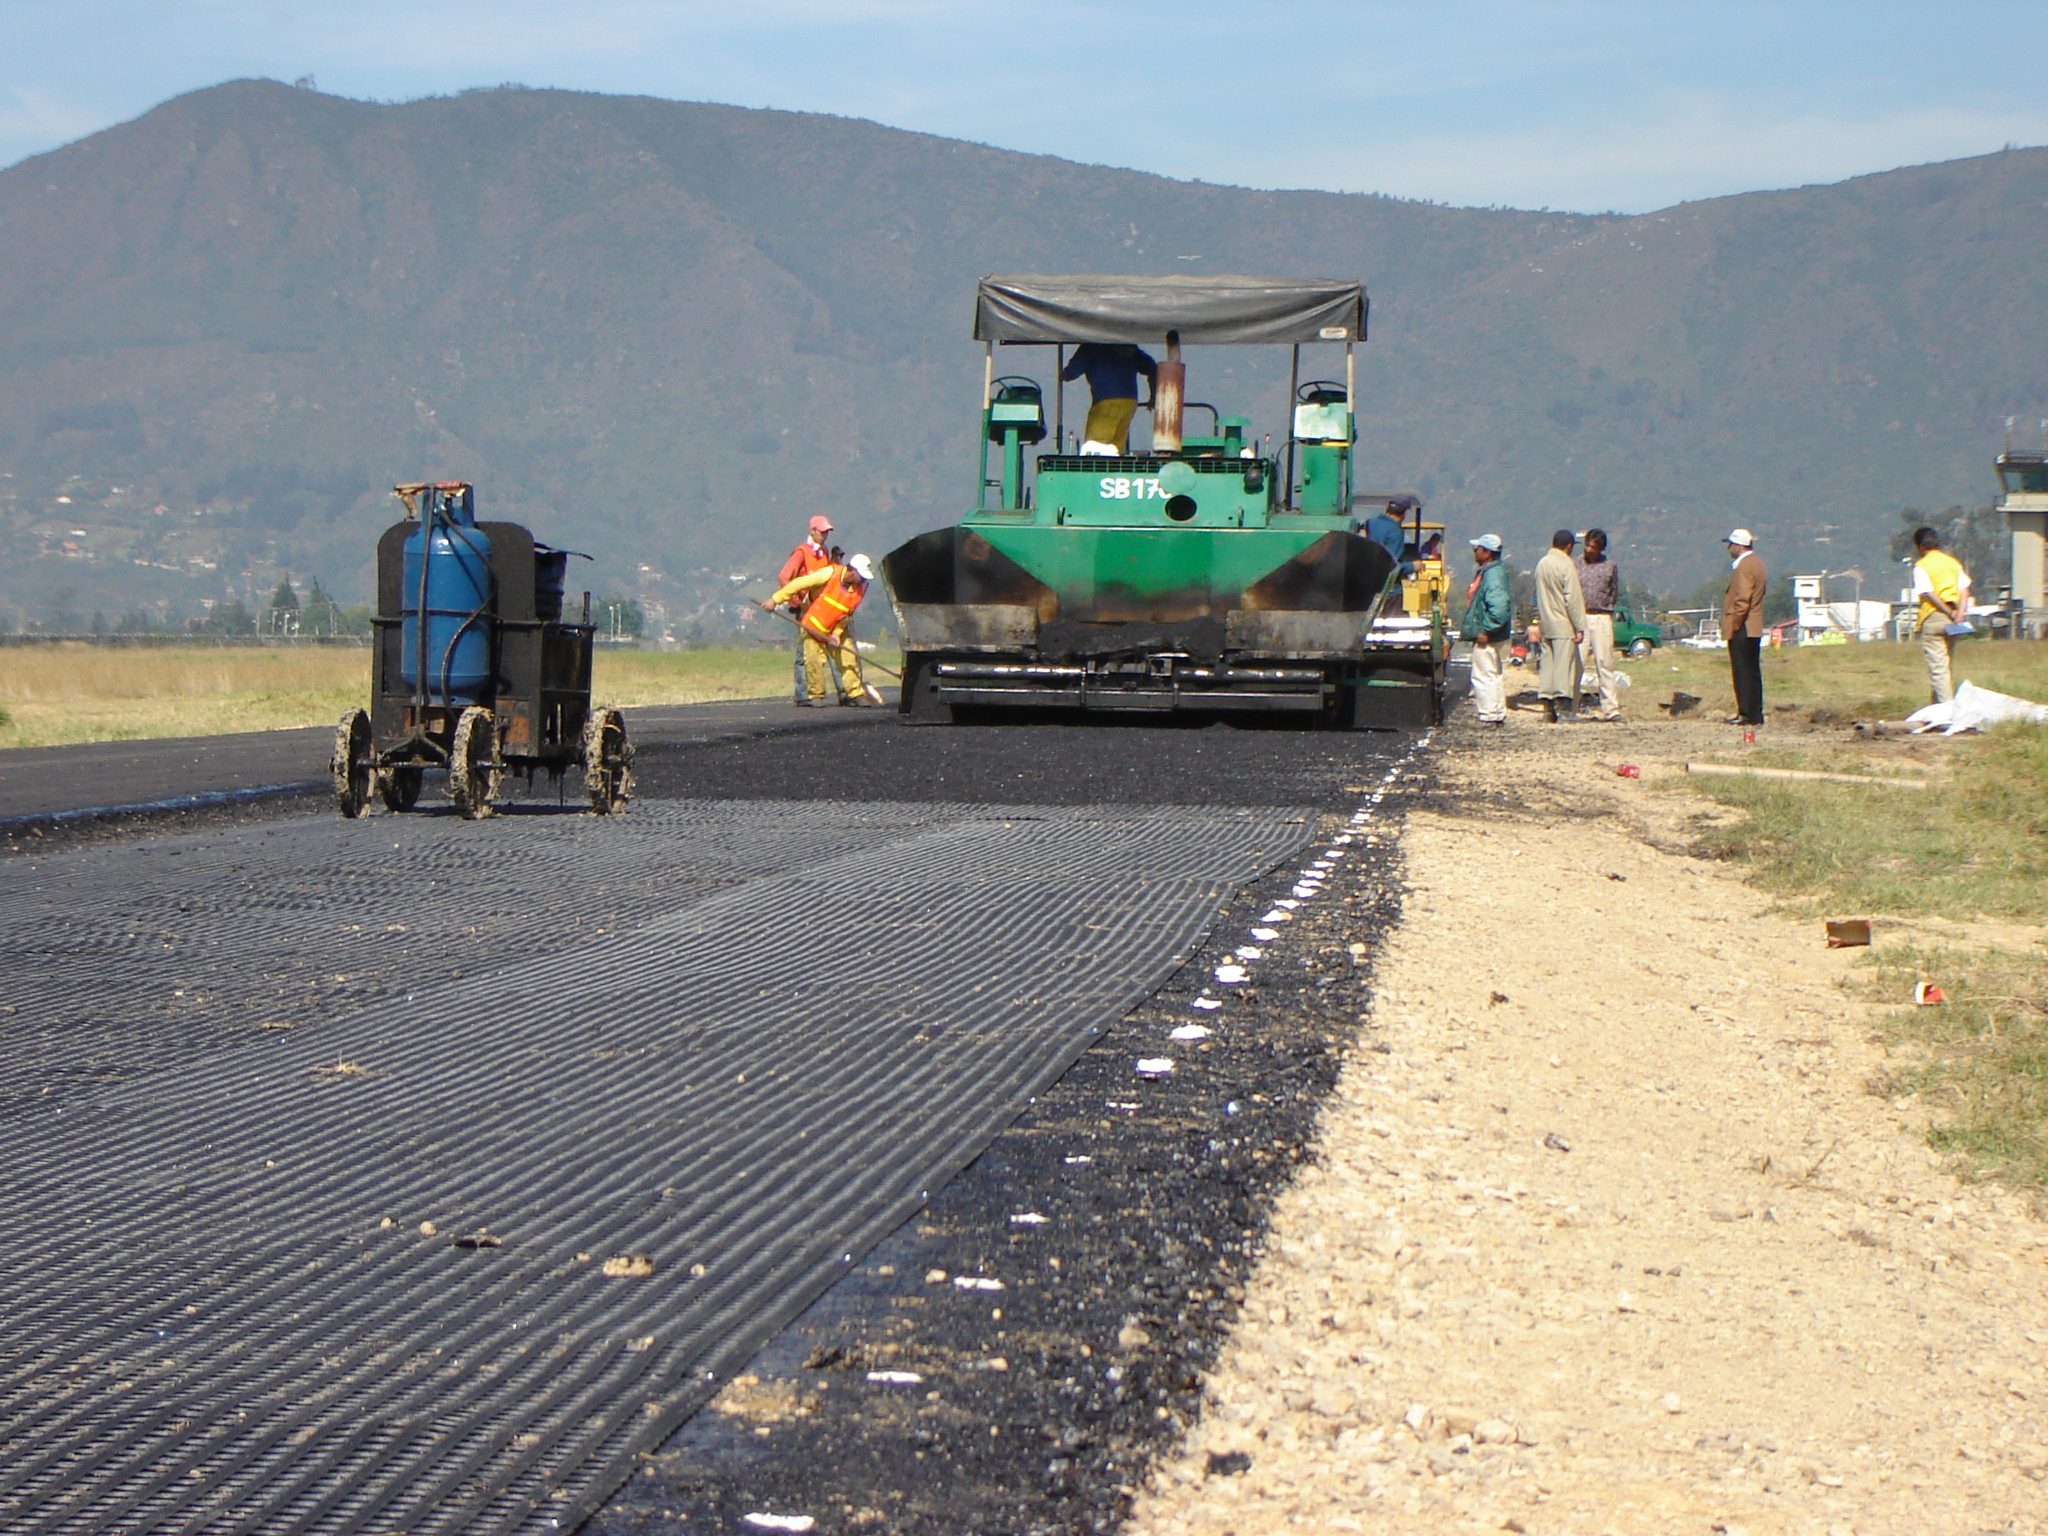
1607, 1230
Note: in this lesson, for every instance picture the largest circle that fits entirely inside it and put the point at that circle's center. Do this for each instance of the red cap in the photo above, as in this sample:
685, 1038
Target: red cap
821, 526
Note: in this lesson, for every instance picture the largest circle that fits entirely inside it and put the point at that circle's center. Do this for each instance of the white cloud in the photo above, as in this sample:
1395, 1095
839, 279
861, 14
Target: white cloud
33, 120
1697, 148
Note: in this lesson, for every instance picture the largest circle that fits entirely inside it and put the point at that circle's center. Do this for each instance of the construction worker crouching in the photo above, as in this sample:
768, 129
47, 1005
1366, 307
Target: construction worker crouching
836, 591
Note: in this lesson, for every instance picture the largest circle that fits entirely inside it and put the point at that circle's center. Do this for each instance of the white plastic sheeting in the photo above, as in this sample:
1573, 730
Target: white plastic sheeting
1973, 708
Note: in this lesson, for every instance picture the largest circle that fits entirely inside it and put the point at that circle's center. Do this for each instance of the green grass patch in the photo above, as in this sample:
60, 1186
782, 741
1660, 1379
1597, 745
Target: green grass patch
1973, 845
1979, 1060
1876, 681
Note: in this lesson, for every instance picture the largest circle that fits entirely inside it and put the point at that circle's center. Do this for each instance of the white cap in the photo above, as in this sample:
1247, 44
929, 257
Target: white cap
1739, 536
863, 567
1490, 542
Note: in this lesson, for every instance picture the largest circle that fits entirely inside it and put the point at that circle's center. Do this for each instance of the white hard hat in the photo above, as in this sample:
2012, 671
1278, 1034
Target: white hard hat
863, 567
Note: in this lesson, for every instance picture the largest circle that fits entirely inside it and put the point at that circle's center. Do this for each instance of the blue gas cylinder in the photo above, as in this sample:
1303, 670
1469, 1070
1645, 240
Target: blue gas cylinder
457, 555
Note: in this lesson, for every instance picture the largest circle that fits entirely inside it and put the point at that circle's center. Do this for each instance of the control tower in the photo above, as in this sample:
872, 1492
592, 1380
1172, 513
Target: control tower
2023, 498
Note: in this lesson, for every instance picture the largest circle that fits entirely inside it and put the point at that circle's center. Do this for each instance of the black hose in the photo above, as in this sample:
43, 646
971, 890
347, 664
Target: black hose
456, 530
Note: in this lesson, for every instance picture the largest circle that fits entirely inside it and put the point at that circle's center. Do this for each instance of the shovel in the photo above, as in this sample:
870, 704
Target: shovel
841, 646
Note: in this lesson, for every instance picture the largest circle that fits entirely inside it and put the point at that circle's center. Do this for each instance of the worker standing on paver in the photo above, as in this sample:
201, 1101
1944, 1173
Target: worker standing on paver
835, 592
806, 559
1112, 369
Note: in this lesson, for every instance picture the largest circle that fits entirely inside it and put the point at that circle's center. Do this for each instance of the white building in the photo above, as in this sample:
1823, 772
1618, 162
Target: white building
2023, 498
1859, 618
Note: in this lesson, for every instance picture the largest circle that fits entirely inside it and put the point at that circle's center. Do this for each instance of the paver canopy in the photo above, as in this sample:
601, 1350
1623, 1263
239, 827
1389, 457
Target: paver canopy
1204, 310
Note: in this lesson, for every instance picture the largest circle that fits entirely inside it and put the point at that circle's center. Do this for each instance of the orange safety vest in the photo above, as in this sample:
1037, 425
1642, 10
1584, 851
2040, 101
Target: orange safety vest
833, 605
803, 560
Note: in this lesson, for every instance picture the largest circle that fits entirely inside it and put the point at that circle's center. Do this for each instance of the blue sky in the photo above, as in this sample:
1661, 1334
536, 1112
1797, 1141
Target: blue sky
1586, 105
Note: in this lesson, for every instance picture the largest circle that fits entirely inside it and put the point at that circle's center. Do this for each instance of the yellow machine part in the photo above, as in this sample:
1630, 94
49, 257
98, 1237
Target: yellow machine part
1423, 593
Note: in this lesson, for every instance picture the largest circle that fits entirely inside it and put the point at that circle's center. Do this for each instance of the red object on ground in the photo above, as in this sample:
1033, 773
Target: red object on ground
1629, 771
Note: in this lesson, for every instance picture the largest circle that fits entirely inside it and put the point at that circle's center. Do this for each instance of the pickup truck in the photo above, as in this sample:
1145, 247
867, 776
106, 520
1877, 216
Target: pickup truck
1633, 638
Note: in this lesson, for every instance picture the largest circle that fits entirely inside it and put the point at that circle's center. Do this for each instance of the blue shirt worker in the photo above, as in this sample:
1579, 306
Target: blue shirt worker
1112, 369
1384, 528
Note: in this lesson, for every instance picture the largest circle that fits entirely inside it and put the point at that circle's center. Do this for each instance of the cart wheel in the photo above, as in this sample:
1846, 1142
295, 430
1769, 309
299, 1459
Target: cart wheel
607, 762
351, 764
399, 786
473, 766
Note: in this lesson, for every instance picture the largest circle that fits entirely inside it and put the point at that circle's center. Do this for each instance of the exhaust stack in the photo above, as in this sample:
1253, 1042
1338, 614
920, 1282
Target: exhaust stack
1169, 388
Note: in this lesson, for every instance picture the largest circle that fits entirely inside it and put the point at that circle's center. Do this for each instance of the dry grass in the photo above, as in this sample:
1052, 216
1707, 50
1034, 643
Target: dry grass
58, 694
1979, 1060
54, 695
627, 678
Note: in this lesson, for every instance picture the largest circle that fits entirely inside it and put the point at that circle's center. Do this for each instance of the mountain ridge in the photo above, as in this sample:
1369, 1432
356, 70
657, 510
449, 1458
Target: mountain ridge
667, 332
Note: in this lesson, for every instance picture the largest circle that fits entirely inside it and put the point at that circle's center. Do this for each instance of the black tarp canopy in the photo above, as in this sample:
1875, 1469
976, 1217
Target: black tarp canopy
1205, 310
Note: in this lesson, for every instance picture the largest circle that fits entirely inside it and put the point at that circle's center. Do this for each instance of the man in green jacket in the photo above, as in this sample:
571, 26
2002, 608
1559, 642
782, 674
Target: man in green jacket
1489, 615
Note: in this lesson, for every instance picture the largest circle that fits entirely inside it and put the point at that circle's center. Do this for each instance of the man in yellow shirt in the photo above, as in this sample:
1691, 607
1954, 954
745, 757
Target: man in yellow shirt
1943, 587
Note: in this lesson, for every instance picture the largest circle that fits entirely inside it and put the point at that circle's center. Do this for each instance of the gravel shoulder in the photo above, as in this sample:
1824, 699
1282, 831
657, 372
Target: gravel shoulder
1604, 1229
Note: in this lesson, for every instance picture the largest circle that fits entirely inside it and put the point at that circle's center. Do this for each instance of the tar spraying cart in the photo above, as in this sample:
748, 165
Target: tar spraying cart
474, 670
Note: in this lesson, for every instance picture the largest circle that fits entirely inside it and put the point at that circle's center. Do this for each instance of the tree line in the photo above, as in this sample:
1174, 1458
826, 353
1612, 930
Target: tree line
286, 616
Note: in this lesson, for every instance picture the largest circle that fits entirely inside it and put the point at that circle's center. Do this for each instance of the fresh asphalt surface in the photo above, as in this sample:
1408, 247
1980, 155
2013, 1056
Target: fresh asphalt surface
1034, 1421
117, 777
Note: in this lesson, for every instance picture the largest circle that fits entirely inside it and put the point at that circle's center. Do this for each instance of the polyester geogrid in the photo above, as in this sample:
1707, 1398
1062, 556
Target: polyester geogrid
243, 1071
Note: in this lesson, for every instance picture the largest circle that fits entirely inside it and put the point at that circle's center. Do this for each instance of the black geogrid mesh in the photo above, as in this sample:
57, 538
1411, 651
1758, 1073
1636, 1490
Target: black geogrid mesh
594, 1039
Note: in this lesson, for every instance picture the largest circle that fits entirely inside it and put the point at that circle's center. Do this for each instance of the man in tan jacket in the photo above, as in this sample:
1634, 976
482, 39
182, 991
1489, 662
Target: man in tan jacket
1742, 626
1561, 615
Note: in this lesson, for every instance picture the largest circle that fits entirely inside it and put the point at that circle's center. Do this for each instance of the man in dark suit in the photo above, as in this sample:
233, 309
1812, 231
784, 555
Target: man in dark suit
1742, 626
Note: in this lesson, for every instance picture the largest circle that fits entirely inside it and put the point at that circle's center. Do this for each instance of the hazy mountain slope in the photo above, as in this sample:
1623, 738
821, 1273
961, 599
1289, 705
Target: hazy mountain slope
666, 332
1797, 359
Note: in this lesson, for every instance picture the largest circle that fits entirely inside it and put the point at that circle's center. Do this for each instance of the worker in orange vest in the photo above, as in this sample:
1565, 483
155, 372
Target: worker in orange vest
809, 556
835, 592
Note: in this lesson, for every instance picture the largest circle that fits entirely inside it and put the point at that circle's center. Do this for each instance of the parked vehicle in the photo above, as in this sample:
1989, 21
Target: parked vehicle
1633, 637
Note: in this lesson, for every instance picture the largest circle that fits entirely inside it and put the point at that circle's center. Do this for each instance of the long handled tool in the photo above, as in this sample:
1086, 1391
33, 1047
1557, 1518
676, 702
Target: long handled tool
841, 647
